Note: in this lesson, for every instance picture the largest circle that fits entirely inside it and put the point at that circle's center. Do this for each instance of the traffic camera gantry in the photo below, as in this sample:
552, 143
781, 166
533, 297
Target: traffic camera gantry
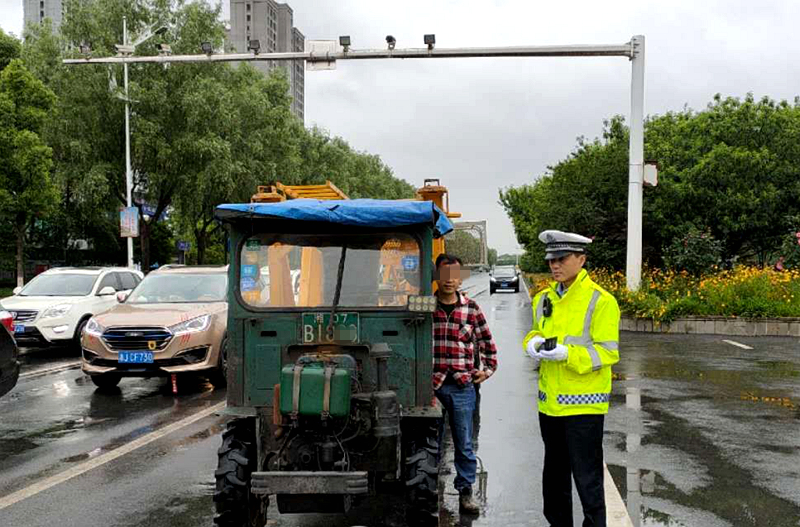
323, 55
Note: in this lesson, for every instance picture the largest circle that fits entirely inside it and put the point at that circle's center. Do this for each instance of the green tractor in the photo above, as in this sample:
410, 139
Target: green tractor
329, 357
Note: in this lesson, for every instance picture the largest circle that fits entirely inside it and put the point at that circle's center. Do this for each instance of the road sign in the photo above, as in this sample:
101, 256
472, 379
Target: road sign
129, 222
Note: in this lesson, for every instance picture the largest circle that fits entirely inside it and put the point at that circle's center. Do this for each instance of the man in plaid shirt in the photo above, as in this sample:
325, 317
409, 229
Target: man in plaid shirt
459, 327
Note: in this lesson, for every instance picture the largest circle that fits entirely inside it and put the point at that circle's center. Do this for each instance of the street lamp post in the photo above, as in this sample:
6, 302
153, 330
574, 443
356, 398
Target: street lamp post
128, 175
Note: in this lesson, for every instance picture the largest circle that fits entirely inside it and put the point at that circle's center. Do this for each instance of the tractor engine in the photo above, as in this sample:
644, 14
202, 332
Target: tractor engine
328, 423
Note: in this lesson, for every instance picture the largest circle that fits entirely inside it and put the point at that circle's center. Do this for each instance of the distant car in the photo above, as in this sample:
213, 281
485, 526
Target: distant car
504, 278
9, 365
175, 321
53, 308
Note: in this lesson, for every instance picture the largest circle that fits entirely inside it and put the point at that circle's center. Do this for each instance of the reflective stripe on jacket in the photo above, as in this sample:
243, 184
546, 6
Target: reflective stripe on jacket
586, 320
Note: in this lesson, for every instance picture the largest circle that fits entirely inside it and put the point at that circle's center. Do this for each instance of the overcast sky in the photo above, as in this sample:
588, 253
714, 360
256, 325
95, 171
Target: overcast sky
484, 124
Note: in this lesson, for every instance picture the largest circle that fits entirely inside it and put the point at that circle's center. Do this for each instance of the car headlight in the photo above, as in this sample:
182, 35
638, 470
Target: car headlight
194, 325
58, 310
94, 328
491, 279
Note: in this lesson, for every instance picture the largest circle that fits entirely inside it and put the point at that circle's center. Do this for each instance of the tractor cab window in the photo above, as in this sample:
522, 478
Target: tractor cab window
281, 271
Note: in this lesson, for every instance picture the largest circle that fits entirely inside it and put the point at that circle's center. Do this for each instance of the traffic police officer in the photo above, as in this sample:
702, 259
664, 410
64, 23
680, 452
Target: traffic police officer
574, 342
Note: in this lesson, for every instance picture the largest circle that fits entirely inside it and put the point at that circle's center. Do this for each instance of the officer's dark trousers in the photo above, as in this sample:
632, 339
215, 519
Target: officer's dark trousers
573, 448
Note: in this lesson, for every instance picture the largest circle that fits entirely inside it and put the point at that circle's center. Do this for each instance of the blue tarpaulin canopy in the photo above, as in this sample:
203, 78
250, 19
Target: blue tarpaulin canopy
360, 212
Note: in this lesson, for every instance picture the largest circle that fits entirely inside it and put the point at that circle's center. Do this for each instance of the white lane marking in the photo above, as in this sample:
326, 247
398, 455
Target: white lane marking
737, 344
527, 291
86, 466
616, 512
56, 369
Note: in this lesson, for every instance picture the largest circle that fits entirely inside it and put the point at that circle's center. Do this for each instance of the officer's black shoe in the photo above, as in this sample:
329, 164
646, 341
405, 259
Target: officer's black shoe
467, 503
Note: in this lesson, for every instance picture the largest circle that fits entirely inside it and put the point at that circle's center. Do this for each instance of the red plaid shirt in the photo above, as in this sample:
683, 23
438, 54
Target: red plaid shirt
454, 340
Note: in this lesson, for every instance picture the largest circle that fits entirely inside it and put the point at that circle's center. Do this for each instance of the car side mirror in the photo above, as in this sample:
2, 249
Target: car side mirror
121, 297
107, 291
17, 290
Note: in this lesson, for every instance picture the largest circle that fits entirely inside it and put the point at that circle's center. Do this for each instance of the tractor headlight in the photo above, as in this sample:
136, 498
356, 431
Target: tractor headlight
422, 304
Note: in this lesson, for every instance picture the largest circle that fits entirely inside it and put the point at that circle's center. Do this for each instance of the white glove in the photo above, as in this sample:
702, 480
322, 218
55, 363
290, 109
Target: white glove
533, 347
559, 353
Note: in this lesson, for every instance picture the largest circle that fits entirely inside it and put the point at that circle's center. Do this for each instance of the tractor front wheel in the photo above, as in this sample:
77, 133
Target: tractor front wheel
422, 471
236, 505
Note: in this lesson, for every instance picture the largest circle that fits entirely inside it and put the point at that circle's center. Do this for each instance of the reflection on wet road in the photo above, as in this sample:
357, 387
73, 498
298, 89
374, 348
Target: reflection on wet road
705, 433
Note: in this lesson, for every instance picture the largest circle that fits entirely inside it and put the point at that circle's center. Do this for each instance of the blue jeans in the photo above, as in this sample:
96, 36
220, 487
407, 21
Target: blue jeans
459, 404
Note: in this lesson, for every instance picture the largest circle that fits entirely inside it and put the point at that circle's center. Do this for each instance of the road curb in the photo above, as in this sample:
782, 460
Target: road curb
731, 326
616, 511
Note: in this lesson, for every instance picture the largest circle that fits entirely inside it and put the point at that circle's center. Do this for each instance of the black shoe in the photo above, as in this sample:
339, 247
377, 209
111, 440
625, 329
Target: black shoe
467, 503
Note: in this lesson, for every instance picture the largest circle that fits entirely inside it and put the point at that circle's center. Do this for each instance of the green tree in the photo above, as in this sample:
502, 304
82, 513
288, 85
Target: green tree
202, 134
26, 189
491, 255
228, 158
10, 49
464, 245
731, 169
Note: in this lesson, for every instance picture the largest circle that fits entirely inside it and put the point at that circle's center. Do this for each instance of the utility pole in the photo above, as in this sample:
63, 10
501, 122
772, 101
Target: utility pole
128, 175
636, 166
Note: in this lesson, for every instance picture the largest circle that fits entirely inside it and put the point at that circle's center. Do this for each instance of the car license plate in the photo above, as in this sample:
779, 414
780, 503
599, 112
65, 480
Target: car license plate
135, 357
19, 328
346, 327
504, 284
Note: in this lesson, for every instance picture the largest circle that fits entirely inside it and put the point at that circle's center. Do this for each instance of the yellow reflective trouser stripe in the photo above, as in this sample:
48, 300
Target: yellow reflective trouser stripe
585, 340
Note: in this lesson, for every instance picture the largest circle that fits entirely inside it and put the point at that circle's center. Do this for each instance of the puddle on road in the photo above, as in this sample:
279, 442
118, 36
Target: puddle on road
682, 470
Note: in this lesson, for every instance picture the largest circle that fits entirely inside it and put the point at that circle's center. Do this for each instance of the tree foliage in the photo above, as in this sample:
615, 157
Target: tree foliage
26, 190
464, 245
731, 170
201, 134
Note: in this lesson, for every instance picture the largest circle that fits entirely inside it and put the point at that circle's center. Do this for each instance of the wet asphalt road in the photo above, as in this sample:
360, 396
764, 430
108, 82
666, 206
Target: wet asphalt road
705, 433
699, 435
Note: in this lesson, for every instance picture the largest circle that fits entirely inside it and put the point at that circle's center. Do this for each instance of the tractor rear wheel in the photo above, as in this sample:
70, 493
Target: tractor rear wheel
236, 505
421, 470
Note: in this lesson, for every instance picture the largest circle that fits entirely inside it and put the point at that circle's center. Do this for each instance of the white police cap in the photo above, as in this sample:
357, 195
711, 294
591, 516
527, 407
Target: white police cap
560, 244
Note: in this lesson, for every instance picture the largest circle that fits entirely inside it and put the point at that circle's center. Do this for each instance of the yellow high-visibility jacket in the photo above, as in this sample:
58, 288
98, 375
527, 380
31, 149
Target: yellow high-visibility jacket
586, 320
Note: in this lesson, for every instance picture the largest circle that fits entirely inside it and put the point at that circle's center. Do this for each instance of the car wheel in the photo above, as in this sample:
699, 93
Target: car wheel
106, 380
492, 290
76, 340
219, 377
516, 289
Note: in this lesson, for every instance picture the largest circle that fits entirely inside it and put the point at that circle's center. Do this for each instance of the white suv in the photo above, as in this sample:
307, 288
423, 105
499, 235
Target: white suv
53, 308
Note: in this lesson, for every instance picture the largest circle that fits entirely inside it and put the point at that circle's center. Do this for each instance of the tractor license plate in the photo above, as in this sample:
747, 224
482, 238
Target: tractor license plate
346, 327
135, 357
19, 328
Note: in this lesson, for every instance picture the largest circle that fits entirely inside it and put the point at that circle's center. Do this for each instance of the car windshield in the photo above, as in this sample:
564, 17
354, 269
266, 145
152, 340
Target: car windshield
295, 270
60, 284
180, 288
502, 272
